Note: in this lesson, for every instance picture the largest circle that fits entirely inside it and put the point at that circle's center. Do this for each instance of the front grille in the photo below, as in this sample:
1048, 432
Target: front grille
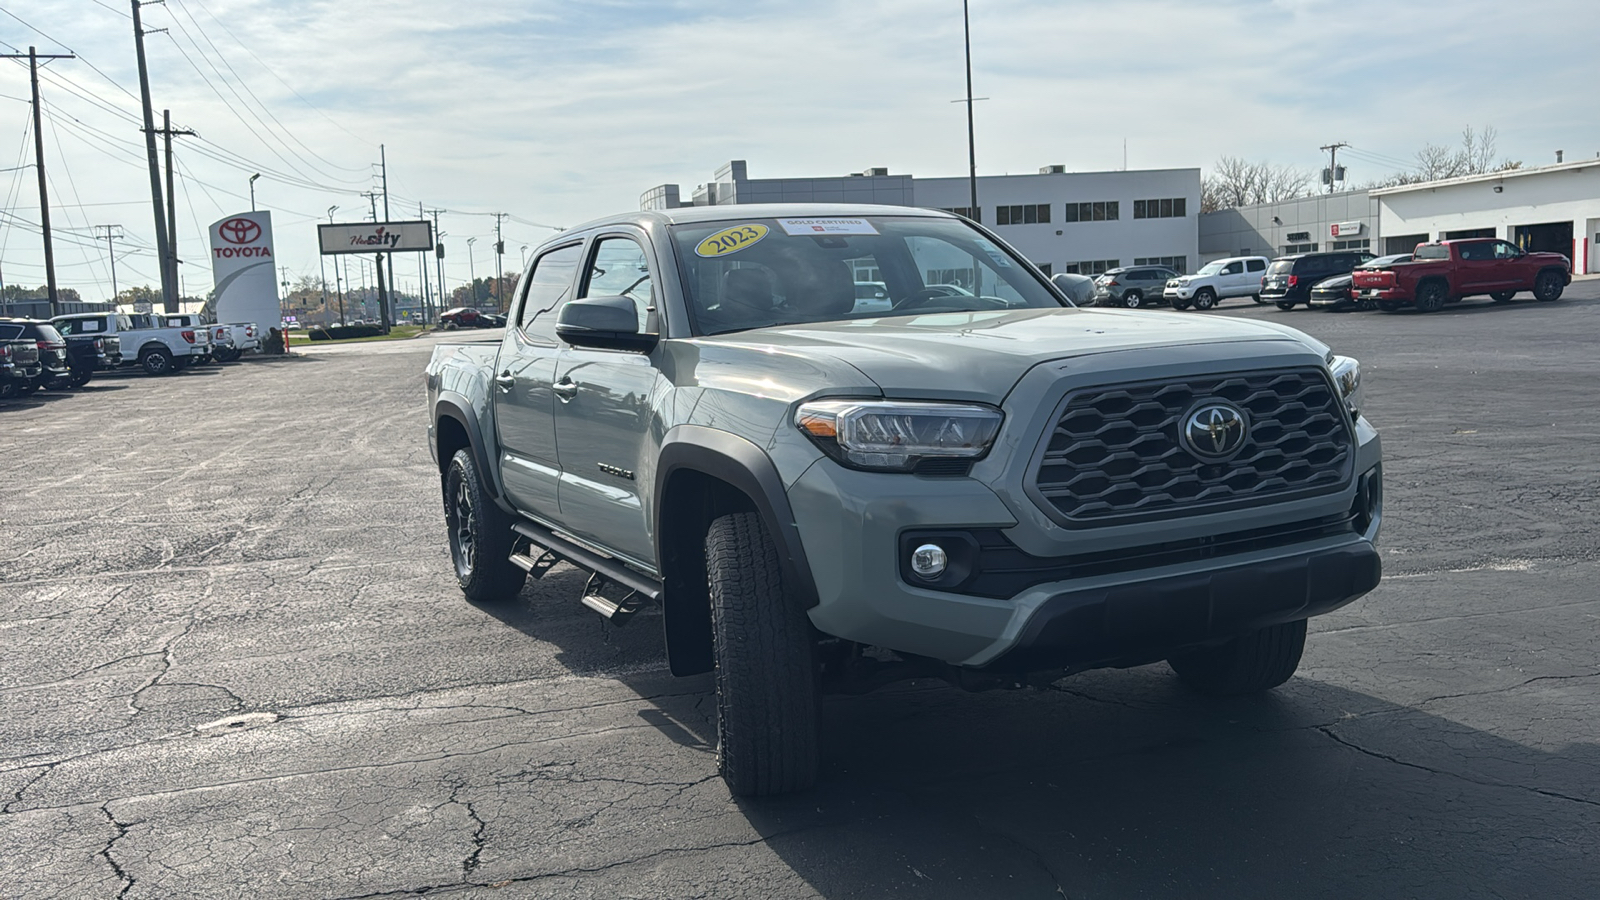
1114, 453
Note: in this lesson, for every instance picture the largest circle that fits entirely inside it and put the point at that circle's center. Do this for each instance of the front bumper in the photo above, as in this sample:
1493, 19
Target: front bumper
1179, 293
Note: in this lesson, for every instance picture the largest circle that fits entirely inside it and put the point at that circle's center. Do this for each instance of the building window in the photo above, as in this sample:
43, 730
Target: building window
1097, 211
1022, 214
964, 212
958, 277
1045, 268
1093, 266
1299, 248
1179, 264
1168, 208
1353, 245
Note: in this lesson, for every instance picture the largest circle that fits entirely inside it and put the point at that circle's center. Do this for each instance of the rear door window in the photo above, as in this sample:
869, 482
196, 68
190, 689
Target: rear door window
1255, 265
549, 287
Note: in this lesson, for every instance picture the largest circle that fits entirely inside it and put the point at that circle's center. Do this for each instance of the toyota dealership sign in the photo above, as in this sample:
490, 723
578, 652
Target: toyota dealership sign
242, 263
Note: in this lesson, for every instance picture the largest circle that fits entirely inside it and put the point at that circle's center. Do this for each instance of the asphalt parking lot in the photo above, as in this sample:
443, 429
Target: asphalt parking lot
235, 664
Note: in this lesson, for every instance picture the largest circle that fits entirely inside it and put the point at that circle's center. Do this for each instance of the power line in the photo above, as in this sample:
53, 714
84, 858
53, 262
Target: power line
58, 43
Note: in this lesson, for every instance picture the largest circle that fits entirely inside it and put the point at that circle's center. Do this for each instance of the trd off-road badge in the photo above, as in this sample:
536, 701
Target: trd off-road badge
1215, 431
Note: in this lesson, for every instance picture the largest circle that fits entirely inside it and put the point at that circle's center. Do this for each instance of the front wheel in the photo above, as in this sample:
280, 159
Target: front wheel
1502, 296
480, 535
1548, 286
1258, 661
766, 672
1205, 299
1286, 305
1179, 304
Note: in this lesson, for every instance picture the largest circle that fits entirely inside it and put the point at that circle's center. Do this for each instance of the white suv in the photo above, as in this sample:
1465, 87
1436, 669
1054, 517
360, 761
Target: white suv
1236, 276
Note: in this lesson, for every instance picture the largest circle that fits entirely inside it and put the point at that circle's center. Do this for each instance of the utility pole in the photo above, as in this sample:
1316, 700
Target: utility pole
472, 270
169, 290
383, 293
33, 57
1332, 174
438, 256
171, 261
499, 257
112, 233
422, 276
972, 147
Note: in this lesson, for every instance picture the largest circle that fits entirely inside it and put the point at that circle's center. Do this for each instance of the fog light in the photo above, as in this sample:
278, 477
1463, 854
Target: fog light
929, 561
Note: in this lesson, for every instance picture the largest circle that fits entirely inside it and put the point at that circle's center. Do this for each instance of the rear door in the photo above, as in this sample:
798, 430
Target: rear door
524, 372
1255, 270
603, 409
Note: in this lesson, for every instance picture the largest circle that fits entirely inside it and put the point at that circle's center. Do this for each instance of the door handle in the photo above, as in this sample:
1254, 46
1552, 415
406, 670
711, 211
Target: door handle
566, 389
505, 380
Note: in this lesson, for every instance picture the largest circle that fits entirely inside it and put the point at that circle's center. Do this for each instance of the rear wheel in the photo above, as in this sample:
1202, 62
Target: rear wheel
1286, 305
1548, 286
79, 377
1388, 306
1502, 296
1132, 299
1205, 299
766, 673
1258, 661
1430, 297
157, 361
1257, 298
480, 535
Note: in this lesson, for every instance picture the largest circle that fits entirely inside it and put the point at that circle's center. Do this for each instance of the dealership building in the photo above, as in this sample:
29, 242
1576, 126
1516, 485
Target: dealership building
1063, 221
1553, 208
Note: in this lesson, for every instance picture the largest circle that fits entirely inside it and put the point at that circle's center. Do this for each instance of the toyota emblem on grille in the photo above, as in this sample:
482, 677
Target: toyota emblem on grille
1215, 431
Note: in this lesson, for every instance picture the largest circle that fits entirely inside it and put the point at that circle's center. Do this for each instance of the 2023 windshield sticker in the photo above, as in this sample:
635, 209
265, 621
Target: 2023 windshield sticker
730, 240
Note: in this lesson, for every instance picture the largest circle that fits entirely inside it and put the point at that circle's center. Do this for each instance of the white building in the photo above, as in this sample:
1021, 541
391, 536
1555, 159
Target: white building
1347, 220
1551, 208
1063, 221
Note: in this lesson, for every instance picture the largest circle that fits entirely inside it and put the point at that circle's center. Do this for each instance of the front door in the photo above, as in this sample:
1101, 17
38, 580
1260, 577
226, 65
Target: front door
603, 413
524, 401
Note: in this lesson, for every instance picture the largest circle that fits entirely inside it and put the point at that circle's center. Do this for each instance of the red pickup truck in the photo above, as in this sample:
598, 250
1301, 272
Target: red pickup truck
1446, 271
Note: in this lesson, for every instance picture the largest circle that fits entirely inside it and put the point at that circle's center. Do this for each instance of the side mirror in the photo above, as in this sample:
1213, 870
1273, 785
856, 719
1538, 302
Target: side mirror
606, 323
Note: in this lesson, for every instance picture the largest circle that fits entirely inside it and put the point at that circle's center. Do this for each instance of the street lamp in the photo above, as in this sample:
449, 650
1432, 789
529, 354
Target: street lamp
524, 257
253, 191
472, 270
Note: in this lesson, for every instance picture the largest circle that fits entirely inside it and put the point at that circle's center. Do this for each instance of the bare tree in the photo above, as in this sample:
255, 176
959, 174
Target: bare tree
1474, 156
1237, 182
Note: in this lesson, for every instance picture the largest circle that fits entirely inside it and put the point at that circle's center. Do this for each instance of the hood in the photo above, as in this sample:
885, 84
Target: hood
980, 355
1336, 282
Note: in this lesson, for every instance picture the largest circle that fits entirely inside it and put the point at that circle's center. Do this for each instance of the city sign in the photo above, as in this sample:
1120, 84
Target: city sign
375, 237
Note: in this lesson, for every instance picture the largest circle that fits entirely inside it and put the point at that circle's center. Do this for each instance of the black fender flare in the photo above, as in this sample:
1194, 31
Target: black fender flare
454, 406
735, 461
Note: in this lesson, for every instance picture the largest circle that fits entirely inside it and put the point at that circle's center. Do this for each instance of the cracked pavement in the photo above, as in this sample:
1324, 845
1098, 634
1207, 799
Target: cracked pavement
233, 663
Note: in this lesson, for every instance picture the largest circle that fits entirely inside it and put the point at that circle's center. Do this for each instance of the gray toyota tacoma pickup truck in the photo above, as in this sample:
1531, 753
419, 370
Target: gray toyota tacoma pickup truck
979, 482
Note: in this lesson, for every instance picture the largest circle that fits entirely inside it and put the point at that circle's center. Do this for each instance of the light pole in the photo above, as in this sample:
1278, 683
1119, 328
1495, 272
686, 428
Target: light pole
322, 266
472, 271
972, 147
438, 261
524, 257
253, 191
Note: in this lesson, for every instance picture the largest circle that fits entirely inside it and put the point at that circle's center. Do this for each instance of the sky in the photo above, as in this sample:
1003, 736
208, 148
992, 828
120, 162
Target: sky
559, 112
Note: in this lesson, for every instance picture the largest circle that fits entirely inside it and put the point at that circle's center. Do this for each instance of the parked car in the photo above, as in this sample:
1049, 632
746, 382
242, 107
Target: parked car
463, 317
154, 347
1132, 286
1446, 271
229, 342
54, 369
1236, 276
1338, 293
997, 488
1289, 279
19, 362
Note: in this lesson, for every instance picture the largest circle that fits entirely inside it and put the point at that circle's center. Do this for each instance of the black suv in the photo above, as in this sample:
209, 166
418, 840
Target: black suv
1290, 278
19, 362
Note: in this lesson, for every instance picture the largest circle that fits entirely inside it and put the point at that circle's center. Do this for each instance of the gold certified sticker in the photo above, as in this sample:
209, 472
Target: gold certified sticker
730, 240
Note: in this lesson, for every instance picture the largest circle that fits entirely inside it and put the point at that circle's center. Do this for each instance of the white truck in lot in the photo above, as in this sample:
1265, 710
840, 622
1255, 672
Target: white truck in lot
228, 341
147, 341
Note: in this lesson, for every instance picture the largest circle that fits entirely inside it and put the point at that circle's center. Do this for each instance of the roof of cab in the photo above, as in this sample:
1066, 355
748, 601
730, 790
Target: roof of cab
686, 215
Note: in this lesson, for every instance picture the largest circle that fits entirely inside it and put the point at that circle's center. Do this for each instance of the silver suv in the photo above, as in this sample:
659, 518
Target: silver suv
1132, 286
976, 482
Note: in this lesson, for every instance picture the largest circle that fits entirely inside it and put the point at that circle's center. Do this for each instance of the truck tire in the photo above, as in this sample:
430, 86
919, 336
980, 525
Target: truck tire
1205, 299
1502, 296
1548, 286
1430, 297
480, 535
1250, 663
766, 674
1389, 306
157, 361
1286, 305
1179, 304
79, 377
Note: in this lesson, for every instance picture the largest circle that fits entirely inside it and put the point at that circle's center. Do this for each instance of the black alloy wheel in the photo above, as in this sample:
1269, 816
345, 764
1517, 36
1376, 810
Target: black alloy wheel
157, 361
1502, 296
480, 536
1430, 297
1548, 286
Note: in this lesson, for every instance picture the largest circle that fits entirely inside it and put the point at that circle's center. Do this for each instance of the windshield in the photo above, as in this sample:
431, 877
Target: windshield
753, 273
1212, 268
1432, 251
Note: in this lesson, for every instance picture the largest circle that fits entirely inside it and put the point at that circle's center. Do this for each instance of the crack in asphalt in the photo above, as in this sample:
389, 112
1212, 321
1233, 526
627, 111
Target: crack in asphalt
127, 879
1481, 782
1512, 687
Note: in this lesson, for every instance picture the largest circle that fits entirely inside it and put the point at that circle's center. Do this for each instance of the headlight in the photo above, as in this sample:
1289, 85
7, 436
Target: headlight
1347, 375
895, 435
